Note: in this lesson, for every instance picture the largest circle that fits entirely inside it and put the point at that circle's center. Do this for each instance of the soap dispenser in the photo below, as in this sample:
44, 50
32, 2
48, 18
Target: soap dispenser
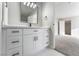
30, 24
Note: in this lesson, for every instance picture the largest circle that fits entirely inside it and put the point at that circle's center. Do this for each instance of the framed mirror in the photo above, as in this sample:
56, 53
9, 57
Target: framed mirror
28, 12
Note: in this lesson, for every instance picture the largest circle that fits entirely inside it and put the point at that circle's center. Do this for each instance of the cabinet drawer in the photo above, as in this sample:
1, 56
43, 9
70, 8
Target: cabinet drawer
30, 31
28, 45
13, 42
43, 29
12, 32
15, 52
41, 42
43, 34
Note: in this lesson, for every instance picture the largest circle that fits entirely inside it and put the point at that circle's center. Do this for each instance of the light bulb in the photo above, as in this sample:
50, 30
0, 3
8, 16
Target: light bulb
34, 6
28, 3
24, 3
31, 5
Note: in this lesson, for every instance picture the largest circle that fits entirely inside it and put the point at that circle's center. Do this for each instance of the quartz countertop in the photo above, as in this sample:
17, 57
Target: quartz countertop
23, 26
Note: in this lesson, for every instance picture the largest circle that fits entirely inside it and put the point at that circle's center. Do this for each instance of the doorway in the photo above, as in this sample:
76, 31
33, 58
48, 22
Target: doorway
68, 27
64, 27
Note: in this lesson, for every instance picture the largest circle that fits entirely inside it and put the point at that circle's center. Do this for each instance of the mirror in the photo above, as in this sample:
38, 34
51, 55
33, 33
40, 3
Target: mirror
28, 12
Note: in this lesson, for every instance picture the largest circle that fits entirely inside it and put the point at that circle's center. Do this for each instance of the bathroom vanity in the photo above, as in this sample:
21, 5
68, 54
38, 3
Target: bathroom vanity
18, 38
21, 40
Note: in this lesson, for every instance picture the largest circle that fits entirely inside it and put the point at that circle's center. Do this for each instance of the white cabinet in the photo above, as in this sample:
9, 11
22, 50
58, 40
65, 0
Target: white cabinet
28, 44
34, 40
12, 42
18, 42
43, 39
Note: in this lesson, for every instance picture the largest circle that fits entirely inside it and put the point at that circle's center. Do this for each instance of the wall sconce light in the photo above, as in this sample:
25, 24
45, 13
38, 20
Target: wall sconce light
34, 6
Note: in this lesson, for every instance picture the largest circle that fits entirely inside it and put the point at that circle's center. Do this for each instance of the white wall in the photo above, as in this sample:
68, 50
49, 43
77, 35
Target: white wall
67, 9
0, 13
48, 10
5, 14
14, 14
75, 26
64, 10
0, 26
39, 13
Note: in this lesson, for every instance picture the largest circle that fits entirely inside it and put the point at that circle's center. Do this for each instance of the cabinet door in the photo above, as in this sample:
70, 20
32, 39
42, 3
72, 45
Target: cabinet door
42, 40
28, 45
39, 41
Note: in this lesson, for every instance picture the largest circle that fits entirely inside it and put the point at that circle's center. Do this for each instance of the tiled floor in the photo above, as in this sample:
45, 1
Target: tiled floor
49, 52
67, 44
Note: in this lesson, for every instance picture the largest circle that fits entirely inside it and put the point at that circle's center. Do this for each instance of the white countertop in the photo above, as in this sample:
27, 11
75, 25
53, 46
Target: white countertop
22, 26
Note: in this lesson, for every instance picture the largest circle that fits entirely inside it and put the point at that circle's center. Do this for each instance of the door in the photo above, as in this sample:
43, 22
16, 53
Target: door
28, 44
68, 27
61, 27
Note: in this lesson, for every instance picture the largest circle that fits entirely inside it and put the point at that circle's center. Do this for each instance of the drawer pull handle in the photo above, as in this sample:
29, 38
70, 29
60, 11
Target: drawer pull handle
15, 31
15, 54
35, 38
15, 41
35, 30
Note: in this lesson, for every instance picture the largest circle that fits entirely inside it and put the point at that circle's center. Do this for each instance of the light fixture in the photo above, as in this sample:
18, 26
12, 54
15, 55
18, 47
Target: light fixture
34, 6
31, 5
5, 4
24, 3
28, 3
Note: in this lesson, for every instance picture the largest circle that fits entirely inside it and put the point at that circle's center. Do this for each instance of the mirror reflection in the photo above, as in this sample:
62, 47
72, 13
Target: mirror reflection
28, 12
